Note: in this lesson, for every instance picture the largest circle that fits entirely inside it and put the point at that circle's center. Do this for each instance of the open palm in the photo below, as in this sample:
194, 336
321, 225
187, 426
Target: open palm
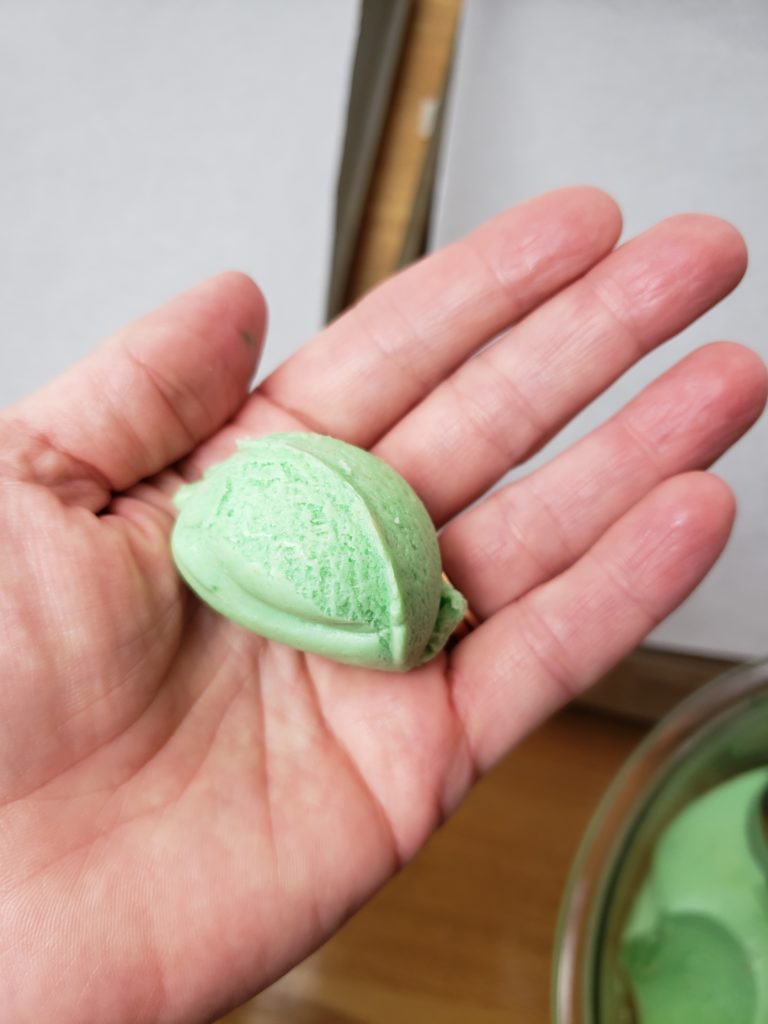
186, 809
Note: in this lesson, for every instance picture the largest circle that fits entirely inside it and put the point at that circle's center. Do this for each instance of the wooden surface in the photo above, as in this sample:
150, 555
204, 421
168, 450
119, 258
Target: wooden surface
464, 935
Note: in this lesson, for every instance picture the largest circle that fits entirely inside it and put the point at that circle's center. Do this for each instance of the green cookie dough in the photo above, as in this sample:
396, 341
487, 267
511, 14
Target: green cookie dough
320, 545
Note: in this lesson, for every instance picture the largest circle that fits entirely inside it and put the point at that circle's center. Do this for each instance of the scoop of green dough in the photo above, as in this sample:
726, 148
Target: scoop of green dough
319, 545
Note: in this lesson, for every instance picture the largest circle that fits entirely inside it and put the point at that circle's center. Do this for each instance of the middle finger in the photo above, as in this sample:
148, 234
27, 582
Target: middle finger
505, 403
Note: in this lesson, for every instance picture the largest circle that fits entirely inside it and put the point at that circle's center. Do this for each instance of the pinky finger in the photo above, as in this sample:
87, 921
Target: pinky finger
552, 644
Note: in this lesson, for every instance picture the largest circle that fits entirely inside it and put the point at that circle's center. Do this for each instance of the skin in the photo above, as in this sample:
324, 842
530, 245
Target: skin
187, 810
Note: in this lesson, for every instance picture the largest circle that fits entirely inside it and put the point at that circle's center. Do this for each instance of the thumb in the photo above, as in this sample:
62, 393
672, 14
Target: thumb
143, 400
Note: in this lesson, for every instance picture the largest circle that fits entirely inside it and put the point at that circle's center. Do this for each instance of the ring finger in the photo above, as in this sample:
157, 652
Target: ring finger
534, 528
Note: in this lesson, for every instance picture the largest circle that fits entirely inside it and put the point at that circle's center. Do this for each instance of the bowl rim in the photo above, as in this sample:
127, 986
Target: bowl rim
617, 816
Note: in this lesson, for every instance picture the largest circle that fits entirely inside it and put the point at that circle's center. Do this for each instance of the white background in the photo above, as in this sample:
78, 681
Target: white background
147, 145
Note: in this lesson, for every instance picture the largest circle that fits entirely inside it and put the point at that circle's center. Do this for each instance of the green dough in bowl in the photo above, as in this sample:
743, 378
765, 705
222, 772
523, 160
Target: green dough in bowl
319, 545
695, 946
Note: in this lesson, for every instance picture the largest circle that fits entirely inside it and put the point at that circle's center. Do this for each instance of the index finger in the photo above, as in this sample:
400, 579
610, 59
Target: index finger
367, 369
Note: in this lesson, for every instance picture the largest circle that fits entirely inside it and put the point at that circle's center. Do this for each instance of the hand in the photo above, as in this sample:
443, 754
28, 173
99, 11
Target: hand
186, 810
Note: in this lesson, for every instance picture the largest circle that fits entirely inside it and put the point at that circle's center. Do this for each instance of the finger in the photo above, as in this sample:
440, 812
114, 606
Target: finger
504, 404
536, 527
369, 367
536, 654
142, 400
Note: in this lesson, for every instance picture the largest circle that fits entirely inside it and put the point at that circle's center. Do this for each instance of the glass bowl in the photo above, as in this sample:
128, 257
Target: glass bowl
718, 732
